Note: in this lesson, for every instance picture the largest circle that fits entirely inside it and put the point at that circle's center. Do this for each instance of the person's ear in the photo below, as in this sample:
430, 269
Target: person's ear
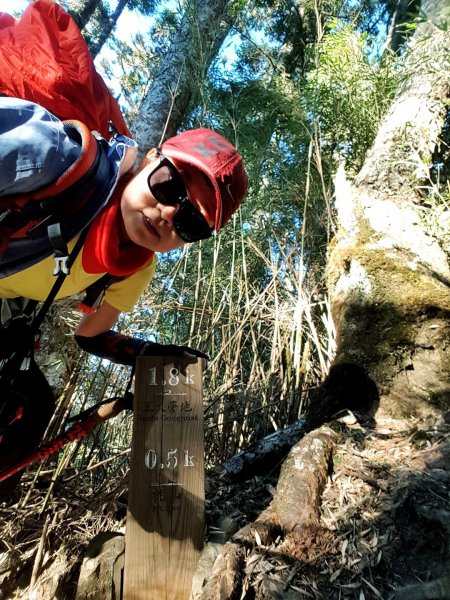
148, 158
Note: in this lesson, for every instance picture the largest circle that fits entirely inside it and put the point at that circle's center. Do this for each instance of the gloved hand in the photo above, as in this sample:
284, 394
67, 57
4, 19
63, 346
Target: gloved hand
155, 349
124, 349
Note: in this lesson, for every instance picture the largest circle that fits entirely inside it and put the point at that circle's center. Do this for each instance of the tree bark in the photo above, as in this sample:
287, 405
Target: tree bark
266, 453
202, 31
388, 277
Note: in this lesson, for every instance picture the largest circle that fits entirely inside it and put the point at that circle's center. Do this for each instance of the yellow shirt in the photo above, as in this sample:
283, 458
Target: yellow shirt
36, 281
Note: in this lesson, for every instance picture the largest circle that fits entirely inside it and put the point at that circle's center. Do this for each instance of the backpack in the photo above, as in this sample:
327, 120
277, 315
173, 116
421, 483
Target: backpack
35, 224
26, 408
44, 59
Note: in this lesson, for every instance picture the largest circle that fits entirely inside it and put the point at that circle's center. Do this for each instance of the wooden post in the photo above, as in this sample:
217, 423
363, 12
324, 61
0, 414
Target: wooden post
165, 521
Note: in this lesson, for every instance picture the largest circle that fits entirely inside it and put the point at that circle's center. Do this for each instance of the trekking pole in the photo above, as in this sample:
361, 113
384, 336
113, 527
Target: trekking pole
84, 425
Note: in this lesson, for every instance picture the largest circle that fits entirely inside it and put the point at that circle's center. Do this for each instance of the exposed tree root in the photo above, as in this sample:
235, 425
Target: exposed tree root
226, 579
265, 530
293, 515
439, 589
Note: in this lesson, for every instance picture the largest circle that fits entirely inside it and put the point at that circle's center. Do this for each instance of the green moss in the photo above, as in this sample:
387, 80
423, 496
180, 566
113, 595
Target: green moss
392, 281
379, 329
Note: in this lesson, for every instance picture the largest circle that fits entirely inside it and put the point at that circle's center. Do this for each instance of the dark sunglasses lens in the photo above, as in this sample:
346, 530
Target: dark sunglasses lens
190, 224
166, 185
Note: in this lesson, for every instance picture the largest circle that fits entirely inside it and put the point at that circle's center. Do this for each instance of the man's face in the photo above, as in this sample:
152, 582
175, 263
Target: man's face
147, 222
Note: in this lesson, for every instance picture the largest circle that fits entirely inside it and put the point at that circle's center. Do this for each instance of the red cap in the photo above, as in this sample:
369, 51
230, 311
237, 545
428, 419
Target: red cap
220, 162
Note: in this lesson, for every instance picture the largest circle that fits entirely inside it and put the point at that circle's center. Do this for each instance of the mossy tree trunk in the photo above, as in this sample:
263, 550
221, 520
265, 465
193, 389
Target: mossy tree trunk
388, 276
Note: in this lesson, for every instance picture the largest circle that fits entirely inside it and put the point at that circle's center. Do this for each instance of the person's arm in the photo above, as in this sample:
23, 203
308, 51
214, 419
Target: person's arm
94, 335
103, 319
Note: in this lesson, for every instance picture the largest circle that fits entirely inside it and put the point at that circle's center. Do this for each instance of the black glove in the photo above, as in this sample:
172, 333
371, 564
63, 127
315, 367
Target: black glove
155, 349
124, 349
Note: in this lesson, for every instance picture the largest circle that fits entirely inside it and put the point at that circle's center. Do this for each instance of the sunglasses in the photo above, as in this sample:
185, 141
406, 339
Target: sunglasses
167, 187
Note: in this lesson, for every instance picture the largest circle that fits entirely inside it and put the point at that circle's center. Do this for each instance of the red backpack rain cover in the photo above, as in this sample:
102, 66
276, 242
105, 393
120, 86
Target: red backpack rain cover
44, 59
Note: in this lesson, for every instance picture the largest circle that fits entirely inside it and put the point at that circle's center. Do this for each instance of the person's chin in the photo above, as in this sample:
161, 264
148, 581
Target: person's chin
144, 236
168, 246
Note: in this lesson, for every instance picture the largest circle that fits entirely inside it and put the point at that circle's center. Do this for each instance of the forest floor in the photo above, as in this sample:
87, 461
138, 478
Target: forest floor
384, 523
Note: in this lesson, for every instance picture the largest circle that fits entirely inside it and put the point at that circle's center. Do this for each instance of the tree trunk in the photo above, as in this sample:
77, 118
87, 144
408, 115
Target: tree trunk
388, 277
404, 13
82, 17
202, 30
266, 453
109, 24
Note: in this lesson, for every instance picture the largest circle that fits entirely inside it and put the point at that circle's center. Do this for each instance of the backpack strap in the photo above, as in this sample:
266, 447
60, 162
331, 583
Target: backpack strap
96, 291
38, 319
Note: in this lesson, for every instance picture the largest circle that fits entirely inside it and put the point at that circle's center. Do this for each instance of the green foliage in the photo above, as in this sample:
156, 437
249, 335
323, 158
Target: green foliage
254, 297
349, 92
225, 295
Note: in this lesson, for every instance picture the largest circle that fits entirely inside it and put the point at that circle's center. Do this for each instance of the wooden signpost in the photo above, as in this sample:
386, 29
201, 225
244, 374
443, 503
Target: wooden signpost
165, 521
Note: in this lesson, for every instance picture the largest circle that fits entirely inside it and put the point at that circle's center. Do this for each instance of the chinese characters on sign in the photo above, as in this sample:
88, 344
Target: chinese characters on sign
168, 402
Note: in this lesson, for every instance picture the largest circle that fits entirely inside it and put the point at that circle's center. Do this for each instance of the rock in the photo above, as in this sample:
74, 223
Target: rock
205, 567
102, 568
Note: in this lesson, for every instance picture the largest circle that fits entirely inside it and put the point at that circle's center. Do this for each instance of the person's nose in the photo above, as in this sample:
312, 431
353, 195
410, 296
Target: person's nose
168, 212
